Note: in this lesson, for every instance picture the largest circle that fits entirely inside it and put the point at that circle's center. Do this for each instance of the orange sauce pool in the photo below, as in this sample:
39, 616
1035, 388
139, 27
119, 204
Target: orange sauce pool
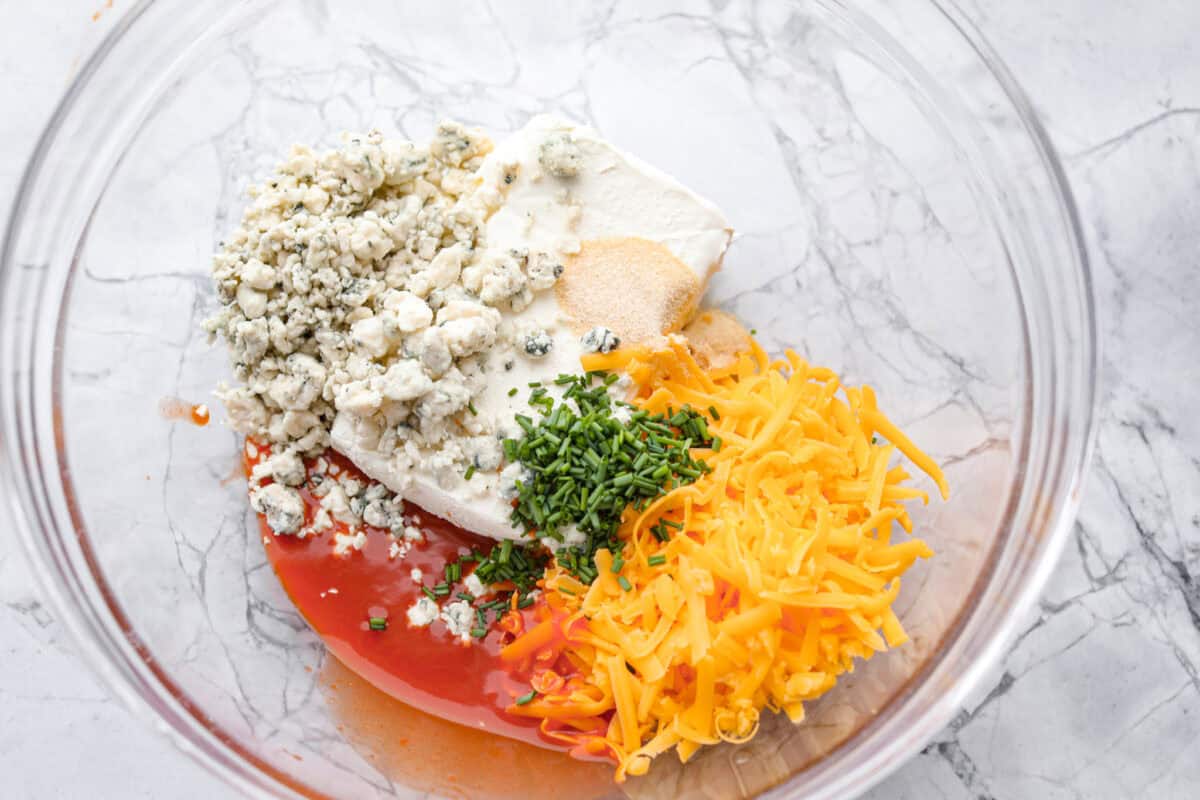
426, 667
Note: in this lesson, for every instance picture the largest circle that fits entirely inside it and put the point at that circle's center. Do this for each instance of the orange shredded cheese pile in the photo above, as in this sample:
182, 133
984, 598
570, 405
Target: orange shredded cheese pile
780, 570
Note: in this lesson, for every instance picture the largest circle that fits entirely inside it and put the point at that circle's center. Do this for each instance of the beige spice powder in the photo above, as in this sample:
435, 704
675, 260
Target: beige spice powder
634, 287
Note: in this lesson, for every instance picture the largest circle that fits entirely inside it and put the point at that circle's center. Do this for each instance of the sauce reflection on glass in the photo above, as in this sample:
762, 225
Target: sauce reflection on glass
441, 757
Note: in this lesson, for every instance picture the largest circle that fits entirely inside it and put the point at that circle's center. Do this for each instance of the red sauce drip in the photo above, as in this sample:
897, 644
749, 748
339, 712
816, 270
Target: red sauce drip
426, 667
175, 409
199, 415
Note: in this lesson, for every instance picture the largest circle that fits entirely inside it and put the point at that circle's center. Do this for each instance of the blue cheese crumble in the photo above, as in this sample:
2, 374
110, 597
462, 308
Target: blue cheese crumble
537, 344
359, 282
599, 340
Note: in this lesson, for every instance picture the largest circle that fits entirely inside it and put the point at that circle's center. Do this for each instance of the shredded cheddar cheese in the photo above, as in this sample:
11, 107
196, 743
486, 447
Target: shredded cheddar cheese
779, 571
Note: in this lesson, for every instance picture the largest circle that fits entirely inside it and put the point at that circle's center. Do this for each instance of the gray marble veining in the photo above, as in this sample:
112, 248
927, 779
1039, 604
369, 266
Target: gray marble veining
1099, 695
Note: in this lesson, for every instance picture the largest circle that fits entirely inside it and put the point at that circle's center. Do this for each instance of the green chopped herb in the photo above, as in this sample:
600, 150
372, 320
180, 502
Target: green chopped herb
377, 623
512, 392
471, 408
587, 464
521, 565
712, 410
656, 560
625, 584
470, 473
526, 698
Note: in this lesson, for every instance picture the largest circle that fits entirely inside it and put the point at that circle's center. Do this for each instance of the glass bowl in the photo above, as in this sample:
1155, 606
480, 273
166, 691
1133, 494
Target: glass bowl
902, 219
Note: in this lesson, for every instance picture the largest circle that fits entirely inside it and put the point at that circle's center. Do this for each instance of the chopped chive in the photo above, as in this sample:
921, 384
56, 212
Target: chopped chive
585, 466
377, 623
429, 593
625, 584
470, 473
512, 392
565, 590
656, 560
526, 698
645, 484
672, 523
471, 408
712, 410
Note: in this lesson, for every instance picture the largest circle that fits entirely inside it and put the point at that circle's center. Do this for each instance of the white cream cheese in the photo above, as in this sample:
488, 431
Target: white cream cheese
603, 193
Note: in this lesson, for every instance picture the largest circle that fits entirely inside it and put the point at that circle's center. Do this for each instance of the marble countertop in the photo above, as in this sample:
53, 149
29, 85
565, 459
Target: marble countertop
1099, 697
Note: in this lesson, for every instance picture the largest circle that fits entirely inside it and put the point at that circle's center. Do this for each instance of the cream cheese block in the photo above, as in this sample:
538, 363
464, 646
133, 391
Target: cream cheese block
572, 187
637, 250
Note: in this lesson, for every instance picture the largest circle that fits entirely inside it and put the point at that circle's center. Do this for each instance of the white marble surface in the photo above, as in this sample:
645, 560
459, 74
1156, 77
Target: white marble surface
1100, 696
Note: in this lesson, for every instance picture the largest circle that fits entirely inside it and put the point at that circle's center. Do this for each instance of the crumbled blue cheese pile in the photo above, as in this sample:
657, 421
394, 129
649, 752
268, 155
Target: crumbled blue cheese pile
359, 281
343, 498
